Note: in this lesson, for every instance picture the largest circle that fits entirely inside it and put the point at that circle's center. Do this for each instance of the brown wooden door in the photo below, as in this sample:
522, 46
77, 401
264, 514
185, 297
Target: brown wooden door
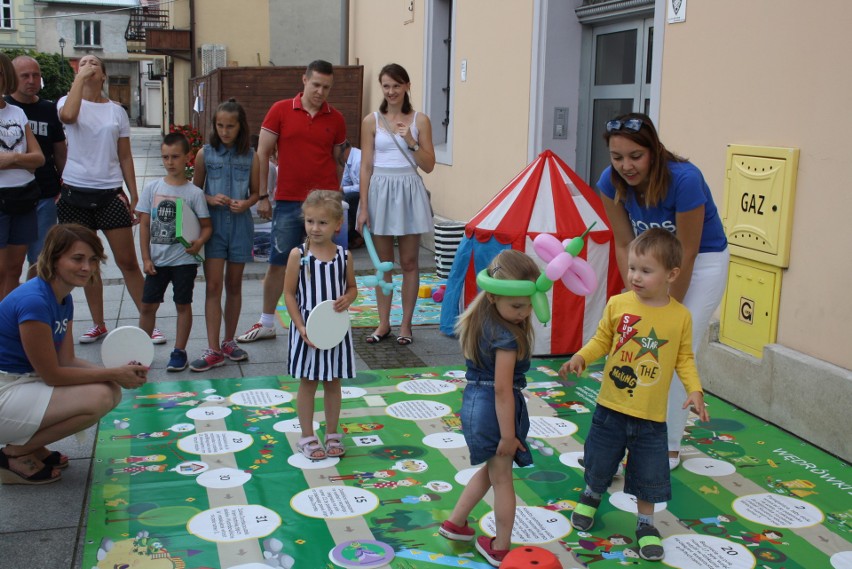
119, 91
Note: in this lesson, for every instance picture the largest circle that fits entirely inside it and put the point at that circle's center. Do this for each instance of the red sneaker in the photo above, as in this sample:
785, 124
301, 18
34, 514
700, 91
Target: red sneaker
93, 334
456, 533
493, 556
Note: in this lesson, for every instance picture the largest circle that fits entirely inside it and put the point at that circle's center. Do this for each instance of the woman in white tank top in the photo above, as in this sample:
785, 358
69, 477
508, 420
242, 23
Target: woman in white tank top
394, 202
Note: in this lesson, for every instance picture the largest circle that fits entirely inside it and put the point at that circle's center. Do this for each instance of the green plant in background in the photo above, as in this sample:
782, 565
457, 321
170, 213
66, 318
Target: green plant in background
55, 71
195, 143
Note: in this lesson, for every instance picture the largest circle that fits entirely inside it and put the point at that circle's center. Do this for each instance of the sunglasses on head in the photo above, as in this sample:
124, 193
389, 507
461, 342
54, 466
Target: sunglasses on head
630, 125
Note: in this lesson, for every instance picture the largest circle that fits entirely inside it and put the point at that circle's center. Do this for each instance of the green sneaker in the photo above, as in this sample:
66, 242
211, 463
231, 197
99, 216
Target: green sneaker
583, 516
650, 544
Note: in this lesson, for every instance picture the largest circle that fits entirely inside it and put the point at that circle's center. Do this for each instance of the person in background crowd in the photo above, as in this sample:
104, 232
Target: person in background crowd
20, 155
308, 133
395, 142
50, 135
99, 160
351, 186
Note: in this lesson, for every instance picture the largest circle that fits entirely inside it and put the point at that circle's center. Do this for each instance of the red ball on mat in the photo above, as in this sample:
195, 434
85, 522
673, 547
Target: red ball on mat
530, 557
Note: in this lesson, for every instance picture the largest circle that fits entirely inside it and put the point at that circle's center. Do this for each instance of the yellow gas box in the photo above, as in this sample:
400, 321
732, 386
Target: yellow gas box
750, 306
760, 188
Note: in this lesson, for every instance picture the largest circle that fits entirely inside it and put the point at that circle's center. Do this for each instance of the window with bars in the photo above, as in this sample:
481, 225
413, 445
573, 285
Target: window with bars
6, 14
88, 33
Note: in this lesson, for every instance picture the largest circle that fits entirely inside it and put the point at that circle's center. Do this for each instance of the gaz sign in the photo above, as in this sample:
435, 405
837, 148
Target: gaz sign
746, 313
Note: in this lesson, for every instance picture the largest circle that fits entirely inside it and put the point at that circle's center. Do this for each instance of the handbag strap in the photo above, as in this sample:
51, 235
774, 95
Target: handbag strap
395, 141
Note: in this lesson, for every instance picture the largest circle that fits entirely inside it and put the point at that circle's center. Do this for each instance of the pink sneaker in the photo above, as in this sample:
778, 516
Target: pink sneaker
456, 533
93, 334
493, 556
158, 337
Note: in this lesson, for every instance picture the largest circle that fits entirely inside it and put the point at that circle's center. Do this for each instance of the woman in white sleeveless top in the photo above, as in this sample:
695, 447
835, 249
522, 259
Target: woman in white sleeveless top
394, 202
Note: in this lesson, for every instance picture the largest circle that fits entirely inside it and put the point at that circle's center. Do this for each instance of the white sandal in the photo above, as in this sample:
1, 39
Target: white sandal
309, 446
334, 445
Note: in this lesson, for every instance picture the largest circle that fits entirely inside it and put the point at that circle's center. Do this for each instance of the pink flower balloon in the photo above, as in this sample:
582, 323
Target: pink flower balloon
576, 274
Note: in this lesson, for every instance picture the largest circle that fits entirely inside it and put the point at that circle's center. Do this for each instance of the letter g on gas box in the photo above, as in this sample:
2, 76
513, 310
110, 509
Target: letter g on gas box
760, 187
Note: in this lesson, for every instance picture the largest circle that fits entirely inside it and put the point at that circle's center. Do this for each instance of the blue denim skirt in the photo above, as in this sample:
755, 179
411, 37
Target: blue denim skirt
480, 427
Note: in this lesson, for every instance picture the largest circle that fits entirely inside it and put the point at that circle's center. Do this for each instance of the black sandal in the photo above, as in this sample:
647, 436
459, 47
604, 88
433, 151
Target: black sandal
55, 460
375, 338
9, 476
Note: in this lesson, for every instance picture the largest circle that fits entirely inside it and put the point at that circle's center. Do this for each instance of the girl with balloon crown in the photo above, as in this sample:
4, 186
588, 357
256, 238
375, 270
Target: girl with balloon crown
496, 336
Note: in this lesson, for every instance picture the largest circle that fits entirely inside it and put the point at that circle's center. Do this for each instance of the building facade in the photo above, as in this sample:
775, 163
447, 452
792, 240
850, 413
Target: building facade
77, 28
547, 74
17, 25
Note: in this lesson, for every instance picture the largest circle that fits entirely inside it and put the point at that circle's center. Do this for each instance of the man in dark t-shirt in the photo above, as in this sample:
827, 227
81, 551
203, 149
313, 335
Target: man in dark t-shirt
44, 122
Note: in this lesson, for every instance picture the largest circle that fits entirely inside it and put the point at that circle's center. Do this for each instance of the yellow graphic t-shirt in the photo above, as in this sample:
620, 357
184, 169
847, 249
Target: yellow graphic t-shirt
646, 345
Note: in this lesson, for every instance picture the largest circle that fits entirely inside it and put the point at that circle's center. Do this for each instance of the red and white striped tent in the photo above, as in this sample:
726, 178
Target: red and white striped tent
546, 197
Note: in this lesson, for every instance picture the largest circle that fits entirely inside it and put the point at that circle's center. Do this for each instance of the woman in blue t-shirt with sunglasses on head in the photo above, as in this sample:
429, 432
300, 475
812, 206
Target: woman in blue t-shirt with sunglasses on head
649, 186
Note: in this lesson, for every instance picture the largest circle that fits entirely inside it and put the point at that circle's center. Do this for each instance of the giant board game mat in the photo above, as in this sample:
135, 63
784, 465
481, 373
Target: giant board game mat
363, 311
202, 474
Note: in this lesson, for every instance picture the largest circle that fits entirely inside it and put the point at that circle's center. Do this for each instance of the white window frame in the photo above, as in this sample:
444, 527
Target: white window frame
435, 73
88, 36
645, 95
6, 21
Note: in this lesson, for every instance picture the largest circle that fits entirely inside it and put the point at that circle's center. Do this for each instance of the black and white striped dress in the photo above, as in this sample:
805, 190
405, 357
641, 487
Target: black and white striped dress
327, 282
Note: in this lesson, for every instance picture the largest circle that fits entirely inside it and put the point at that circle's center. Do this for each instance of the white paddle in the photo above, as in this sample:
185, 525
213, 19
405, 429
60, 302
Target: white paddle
127, 344
325, 327
187, 227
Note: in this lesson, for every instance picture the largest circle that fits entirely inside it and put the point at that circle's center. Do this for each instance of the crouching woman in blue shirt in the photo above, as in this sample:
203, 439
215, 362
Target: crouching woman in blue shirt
46, 392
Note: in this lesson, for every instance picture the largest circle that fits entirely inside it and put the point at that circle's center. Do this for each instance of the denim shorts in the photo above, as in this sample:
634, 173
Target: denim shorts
46, 212
232, 238
288, 230
480, 427
182, 278
18, 228
647, 474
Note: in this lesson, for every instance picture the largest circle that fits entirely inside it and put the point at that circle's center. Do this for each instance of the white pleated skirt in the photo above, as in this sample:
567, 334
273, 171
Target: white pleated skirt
398, 203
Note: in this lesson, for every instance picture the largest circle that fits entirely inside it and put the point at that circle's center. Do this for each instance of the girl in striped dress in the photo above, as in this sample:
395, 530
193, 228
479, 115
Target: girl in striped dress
319, 270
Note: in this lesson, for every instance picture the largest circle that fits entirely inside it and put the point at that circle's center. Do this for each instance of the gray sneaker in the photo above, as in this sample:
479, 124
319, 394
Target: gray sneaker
233, 352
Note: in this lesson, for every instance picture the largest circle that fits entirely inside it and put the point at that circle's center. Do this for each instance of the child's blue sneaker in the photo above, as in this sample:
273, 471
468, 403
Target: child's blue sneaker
177, 360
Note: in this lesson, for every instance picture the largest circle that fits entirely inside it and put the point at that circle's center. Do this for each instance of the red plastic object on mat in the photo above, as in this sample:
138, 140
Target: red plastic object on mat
529, 557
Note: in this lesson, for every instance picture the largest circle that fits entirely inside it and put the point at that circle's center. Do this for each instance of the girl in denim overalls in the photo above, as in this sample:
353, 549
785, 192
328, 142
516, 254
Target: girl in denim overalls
228, 170
496, 338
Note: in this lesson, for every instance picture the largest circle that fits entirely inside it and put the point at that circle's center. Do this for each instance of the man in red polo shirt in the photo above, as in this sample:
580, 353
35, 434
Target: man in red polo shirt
308, 133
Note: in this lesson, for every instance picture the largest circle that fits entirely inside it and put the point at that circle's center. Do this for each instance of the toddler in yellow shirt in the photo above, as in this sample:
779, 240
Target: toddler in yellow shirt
648, 336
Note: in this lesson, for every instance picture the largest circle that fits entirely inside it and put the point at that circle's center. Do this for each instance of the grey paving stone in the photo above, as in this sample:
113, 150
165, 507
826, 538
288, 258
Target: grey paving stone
54, 548
50, 506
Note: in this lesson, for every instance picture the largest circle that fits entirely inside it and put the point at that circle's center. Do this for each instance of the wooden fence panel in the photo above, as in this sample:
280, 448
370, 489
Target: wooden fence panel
257, 88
